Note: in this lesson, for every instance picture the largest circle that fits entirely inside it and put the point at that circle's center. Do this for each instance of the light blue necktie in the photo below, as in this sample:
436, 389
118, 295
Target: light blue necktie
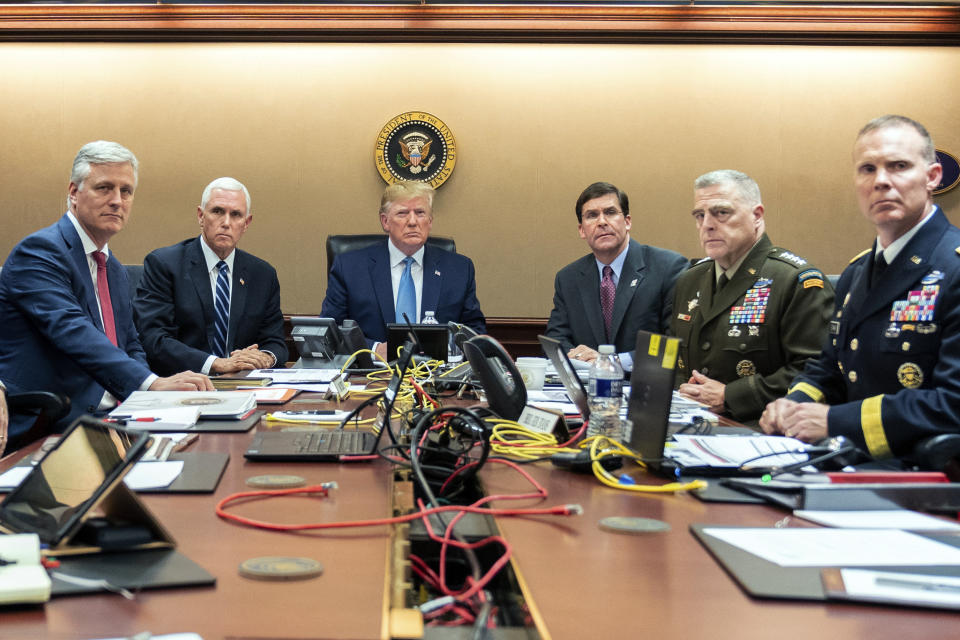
406, 294
222, 307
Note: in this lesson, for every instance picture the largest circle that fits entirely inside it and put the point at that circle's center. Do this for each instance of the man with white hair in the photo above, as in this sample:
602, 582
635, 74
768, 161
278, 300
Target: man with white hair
203, 302
64, 301
750, 314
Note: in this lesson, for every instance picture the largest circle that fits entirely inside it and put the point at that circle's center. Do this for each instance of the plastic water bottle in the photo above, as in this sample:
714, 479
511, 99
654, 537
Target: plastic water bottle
606, 391
429, 318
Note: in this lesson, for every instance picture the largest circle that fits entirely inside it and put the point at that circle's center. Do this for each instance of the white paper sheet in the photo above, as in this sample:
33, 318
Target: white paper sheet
284, 376
886, 519
733, 451
153, 475
839, 547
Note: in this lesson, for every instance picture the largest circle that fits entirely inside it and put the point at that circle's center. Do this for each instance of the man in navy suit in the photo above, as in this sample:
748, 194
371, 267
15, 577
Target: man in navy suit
889, 372
376, 285
65, 313
176, 304
636, 279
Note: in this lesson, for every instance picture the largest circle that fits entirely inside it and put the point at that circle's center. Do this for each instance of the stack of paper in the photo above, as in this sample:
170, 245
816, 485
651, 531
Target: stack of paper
213, 405
174, 419
24, 579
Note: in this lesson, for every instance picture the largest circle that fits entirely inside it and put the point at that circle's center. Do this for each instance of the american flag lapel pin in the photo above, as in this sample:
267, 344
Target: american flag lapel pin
436, 273
633, 282
242, 282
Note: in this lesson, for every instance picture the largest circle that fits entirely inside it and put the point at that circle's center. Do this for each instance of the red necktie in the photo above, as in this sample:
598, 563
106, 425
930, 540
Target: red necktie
103, 293
607, 293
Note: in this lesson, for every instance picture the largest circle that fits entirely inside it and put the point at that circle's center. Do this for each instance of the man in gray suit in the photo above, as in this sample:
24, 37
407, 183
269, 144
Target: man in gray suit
622, 287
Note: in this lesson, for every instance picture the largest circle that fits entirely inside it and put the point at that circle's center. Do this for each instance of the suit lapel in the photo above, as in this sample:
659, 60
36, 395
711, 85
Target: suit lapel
82, 268
631, 279
199, 278
382, 283
589, 286
238, 298
432, 279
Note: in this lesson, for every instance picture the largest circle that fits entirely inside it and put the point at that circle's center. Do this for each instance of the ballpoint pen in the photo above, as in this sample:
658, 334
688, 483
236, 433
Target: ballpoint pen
919, 584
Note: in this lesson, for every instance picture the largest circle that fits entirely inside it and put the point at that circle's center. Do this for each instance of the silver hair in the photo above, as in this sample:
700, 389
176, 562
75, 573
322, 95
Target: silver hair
225, 184
746, 185
100, 152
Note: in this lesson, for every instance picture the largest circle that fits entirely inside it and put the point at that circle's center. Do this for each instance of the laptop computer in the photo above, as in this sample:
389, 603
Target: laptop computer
329, 445
651, 393
71, 480
567, 374
433, 339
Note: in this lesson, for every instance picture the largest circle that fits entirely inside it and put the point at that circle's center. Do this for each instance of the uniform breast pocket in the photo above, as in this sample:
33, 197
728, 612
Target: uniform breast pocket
910, 342
751, 346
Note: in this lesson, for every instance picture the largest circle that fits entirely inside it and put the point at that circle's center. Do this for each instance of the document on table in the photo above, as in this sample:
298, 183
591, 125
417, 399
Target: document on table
153, 475
736, 451
942, 592
282, 377
838, 547
885, 519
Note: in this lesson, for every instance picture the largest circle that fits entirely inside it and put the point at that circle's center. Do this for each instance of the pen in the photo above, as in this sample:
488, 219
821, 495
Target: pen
132, 419
938, 587
318, 412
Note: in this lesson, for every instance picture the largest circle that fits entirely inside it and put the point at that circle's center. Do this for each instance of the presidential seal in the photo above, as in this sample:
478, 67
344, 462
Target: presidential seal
910, 375
415, 146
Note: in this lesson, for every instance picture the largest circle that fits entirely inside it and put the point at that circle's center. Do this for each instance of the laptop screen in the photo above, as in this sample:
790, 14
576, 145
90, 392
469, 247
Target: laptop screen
651, 391
567, 374
71, 478
433, 339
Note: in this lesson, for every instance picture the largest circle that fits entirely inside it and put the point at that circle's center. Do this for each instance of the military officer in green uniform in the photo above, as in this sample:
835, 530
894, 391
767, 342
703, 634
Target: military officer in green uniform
750, 314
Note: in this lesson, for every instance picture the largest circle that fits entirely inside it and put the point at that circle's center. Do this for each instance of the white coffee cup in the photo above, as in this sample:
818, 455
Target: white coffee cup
533, 371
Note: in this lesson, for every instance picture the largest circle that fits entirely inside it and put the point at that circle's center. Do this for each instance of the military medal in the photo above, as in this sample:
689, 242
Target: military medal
734, 332
754, 330
919, 305
910, 375
754, 307
746, 368
893, 331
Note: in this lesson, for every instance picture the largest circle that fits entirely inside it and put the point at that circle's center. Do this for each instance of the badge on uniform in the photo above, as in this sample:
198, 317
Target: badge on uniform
734, 332
811, 278
933, 277
927, 328
919, 305
693, 303
834, 327
746, 368
892, 331
910, 375
754, 330
754, 307
683, 316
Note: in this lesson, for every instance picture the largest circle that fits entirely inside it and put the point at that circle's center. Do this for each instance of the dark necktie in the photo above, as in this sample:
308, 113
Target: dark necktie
222, 308
879, 266
608, 292
722, 282
406, 294
103, 294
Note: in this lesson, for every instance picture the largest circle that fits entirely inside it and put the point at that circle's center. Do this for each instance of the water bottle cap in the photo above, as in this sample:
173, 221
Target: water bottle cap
606, 349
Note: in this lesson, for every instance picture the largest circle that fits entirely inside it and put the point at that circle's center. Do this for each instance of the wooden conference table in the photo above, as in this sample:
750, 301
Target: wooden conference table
584, 582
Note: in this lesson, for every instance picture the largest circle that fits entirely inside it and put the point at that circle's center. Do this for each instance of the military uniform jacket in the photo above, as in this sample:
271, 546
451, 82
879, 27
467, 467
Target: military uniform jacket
757, 333
891, 367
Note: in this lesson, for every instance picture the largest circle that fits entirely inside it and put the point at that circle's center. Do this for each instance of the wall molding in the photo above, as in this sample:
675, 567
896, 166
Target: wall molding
740, 24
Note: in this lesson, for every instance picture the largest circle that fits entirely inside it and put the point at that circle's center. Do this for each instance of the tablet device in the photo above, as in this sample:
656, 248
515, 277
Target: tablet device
71, 479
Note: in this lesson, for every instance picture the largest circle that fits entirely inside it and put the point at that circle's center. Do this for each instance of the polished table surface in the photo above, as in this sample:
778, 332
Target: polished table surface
585, 582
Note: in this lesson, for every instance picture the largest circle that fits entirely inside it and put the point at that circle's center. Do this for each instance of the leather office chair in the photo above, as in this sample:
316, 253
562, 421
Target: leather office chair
47, 407
338, 244
134, 273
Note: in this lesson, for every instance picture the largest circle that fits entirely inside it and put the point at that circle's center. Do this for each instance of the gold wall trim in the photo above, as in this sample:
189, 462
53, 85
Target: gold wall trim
761, 24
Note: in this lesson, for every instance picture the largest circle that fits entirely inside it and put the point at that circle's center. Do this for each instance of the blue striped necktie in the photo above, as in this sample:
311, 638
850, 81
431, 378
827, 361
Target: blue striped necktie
406, 294
222, 307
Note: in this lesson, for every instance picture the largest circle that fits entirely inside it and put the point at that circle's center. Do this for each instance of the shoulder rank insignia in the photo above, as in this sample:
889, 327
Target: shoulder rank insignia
866, 251
791, 257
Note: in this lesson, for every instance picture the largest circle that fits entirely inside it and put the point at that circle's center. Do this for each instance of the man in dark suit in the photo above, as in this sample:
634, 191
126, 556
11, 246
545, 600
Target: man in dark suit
623, 286
189, 314
375, 286
64, 301
889, 373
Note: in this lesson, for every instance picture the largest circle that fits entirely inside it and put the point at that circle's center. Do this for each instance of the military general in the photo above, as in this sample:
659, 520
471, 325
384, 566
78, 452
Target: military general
889, 374
750, 314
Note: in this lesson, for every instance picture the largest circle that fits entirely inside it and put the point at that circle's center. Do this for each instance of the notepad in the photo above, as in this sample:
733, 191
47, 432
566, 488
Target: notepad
26, 580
